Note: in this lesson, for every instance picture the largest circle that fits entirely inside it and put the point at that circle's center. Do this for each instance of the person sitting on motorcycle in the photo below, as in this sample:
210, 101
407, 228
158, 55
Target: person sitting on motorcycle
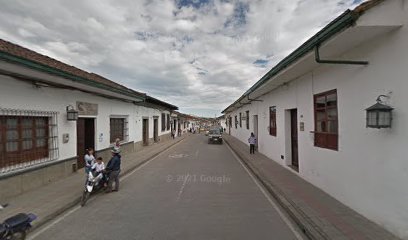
99, 168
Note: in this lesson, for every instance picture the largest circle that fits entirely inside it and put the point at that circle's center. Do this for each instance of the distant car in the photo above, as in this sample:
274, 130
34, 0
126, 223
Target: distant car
214, 136
207, 132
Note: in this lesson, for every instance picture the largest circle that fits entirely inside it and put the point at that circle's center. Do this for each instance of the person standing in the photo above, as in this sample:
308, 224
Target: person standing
113, 169
252, 142
116, 145
89, 160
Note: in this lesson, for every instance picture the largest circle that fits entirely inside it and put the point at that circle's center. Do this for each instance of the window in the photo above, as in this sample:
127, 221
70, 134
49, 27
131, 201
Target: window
23, 139
240, 120
272, 121
168, 121
326, 120
247, 119
163, 122
117, 129
236, 121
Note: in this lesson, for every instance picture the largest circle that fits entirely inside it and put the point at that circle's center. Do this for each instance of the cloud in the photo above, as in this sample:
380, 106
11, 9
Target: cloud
197, 54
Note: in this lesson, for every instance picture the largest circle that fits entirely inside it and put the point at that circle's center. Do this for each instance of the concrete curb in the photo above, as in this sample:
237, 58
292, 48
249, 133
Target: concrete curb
311, 230
45, 219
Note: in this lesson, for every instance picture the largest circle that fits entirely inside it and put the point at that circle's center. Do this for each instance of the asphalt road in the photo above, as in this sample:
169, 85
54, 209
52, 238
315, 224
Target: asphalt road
191, 191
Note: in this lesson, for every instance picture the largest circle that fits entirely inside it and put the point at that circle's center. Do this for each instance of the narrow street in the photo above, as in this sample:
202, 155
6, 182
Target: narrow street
191, 191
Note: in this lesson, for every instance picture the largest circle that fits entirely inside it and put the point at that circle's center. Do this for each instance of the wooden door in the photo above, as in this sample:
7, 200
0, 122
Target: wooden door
294, 139
85, 138
145, 131
80, 142
156, 129
256, 129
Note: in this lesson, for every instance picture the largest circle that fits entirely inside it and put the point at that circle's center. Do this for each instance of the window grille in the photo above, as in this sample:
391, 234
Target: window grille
119, 129
27, 138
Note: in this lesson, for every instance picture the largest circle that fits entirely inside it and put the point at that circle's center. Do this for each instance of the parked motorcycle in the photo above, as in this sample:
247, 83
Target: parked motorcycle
93, 183
16, 227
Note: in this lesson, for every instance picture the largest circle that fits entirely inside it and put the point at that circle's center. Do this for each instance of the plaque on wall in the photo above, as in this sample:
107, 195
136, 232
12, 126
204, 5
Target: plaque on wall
85, 108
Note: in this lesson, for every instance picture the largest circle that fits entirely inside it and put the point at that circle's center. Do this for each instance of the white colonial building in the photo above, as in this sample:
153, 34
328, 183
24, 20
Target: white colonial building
40, 143
309, 112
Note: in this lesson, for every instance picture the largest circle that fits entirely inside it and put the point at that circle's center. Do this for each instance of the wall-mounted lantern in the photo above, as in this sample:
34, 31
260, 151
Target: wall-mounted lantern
72, 114
379, 115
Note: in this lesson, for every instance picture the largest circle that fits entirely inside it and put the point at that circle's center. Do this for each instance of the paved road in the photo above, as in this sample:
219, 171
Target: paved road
192, 191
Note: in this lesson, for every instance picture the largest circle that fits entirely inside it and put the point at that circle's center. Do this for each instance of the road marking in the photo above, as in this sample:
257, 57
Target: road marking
181, 155
268, 197
60, 218
182, 187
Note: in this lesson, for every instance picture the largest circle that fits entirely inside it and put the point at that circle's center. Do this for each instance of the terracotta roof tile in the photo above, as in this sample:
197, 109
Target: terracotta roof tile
25, 53
360, 9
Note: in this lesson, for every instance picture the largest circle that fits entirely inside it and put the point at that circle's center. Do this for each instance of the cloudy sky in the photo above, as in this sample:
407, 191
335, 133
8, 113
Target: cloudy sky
200, 55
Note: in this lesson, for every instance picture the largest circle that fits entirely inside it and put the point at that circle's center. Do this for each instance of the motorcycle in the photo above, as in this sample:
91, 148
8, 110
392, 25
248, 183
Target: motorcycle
93, 183
16, 227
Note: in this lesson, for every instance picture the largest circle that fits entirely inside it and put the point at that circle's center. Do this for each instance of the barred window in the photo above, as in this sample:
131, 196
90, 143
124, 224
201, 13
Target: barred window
27, 138
118, 129
326, 120
23, 139
236, 121
240, 120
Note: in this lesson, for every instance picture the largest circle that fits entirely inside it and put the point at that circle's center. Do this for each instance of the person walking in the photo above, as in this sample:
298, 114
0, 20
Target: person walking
113, 169
252, 142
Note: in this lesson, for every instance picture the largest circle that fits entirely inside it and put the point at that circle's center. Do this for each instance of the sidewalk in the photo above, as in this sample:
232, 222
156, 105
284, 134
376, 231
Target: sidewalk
51, 200
319, 215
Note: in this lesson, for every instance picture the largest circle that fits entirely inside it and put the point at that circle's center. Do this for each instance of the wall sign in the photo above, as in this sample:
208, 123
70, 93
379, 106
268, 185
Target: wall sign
85, 108
302, 126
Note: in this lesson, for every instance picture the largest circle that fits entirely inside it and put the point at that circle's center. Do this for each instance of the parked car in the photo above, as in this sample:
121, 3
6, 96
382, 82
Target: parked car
214, 136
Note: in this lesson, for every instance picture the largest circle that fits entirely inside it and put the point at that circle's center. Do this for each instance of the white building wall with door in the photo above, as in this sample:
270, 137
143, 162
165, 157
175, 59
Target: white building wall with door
369, 169
19, 95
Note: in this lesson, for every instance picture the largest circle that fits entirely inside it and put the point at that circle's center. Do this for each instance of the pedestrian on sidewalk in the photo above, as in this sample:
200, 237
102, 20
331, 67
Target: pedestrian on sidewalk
116, 145
89, 160
113, 169
252, 142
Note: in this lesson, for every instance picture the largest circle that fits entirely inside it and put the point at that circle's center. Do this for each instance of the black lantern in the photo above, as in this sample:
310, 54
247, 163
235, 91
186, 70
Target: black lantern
379, 115
72, 114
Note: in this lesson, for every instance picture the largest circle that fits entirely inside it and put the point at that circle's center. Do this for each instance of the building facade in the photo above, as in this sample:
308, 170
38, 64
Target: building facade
309, 112
40, 144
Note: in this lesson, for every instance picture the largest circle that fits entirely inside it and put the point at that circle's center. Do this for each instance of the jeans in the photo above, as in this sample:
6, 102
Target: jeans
251, 148
113, 176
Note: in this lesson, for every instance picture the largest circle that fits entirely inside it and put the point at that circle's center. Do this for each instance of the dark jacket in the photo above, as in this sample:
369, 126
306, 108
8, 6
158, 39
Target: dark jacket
114, 163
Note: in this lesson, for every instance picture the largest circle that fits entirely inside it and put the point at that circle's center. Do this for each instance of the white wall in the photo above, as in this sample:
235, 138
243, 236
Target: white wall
370, 170
16, 94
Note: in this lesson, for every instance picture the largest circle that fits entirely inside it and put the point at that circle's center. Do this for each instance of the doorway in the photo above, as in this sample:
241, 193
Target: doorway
156, 129
256, 130
294, 139
85, 138
145, 131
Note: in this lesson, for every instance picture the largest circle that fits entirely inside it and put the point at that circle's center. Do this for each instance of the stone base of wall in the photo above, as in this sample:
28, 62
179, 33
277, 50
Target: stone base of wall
139, 145
106, 153
19, 183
